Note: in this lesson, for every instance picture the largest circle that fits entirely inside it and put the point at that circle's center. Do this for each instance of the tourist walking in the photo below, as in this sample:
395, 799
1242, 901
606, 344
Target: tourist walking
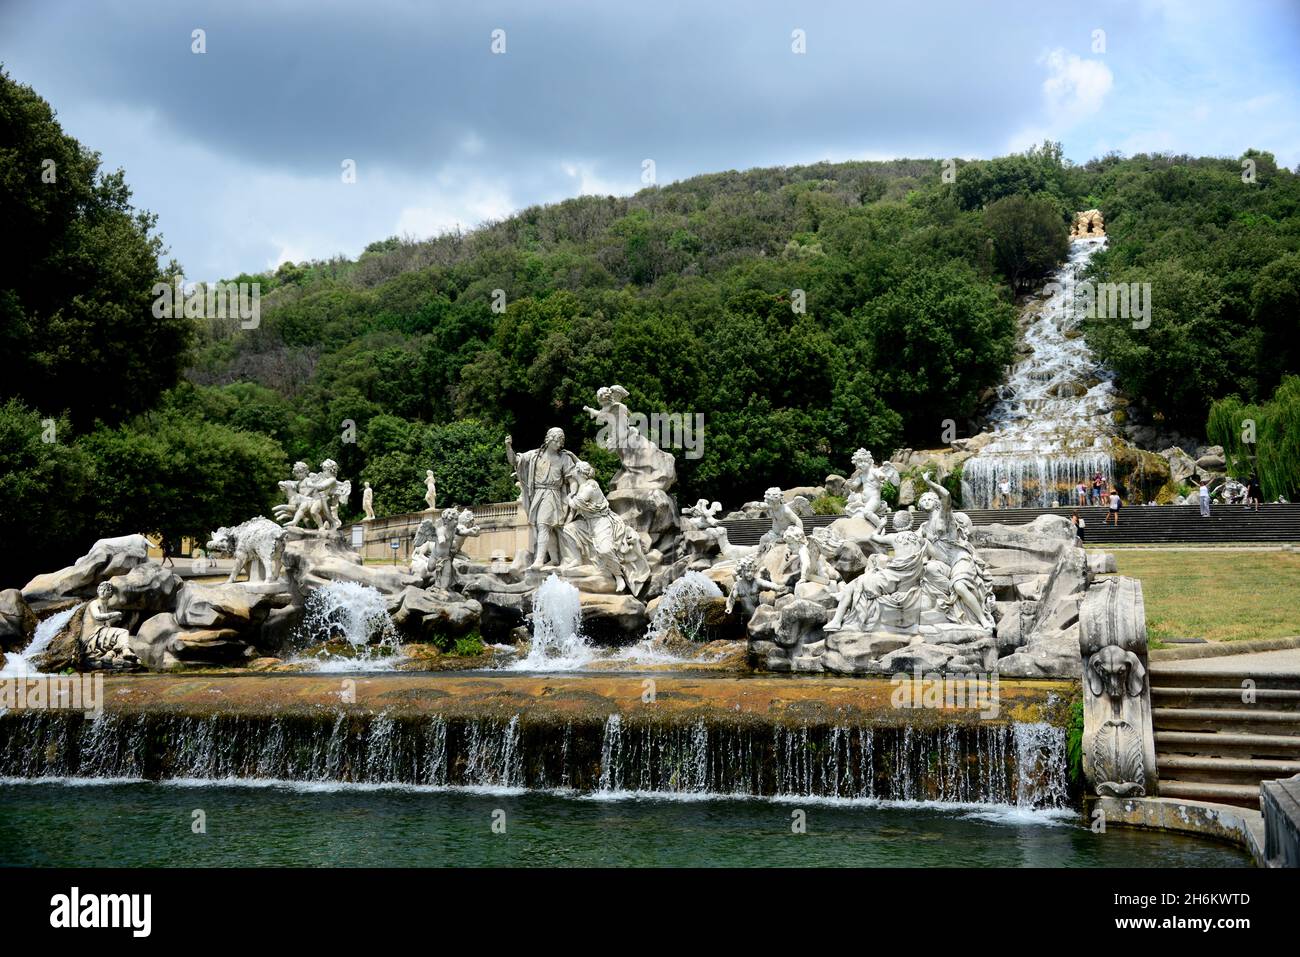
1112, 517
1080, 526
1203, 495
1254, 491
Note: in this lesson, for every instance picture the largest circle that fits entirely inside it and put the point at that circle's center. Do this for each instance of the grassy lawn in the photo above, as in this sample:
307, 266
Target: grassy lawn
1217, 595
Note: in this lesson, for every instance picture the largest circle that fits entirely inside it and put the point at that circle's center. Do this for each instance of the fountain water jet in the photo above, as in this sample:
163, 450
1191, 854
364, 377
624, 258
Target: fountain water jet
558, 643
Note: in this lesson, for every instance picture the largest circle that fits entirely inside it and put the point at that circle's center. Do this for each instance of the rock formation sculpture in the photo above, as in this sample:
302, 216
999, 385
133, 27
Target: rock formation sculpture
1088, 224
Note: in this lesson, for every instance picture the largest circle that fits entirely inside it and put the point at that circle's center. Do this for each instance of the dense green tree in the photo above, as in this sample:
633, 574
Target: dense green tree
77, 322
1029, 237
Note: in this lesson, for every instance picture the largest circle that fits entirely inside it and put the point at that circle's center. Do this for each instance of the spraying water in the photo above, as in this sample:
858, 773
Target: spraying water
558, 643
1052, 424
355, 613
682, 606
20, 663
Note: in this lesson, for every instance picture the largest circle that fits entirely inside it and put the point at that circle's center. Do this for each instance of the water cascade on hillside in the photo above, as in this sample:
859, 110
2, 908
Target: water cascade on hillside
1052, 423
1014, 764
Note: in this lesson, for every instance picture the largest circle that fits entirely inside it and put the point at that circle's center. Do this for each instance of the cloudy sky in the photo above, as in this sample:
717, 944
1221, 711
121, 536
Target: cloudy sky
240, 149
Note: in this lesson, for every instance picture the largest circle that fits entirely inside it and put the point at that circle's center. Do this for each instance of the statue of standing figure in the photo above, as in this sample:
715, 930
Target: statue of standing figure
431, 490
368, 502
955, 563
547, 477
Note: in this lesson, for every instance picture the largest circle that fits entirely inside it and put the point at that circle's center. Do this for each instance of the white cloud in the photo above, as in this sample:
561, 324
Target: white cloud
1075, 88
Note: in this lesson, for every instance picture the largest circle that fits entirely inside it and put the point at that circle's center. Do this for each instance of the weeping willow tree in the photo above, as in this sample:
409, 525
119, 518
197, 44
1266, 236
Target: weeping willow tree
1264, 438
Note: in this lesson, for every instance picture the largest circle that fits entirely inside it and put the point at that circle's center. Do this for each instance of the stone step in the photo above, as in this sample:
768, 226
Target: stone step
1163, 677
1181, 767
1224, 719
1243, 795
1280, 746
1270, 699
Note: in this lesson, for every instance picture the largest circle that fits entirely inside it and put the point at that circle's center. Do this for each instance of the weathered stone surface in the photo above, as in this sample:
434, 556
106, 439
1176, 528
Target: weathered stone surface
313, 559
1052, 656
853, 652
1102, 563
429, 612
147, 587
163, 643
17, 621
240, 605
63, 651
1211, 459
1181, 465
106, 559
613, 619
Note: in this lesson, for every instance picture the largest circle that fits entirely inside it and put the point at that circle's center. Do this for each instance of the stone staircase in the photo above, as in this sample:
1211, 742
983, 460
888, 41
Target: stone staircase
1138, 524
1212, 746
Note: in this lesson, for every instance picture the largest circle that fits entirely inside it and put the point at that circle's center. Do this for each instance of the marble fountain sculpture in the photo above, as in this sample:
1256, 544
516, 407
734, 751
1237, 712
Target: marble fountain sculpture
872, 592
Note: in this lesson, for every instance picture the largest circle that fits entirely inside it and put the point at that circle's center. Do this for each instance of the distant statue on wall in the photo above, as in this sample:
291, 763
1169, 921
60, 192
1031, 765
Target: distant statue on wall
368, 502
431, 490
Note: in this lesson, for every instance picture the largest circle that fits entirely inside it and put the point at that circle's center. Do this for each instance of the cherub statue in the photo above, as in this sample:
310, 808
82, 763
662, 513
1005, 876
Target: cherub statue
782, 515
749, 585
865, 486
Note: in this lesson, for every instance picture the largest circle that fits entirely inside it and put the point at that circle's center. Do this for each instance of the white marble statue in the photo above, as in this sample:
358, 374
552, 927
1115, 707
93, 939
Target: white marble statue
865, 486
954, 562
103, 643
783, 517
598, 536
368, 502
817, 572
747, 589
438, 543
431, 490
315, 496
645, 465
888, 594
547, 477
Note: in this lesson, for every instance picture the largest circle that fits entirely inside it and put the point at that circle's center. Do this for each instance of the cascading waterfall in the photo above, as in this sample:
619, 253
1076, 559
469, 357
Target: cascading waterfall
1019, 764
558, 643
1052, 424
17, 664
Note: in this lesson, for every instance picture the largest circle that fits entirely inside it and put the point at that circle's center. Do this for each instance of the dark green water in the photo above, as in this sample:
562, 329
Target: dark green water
145, 824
